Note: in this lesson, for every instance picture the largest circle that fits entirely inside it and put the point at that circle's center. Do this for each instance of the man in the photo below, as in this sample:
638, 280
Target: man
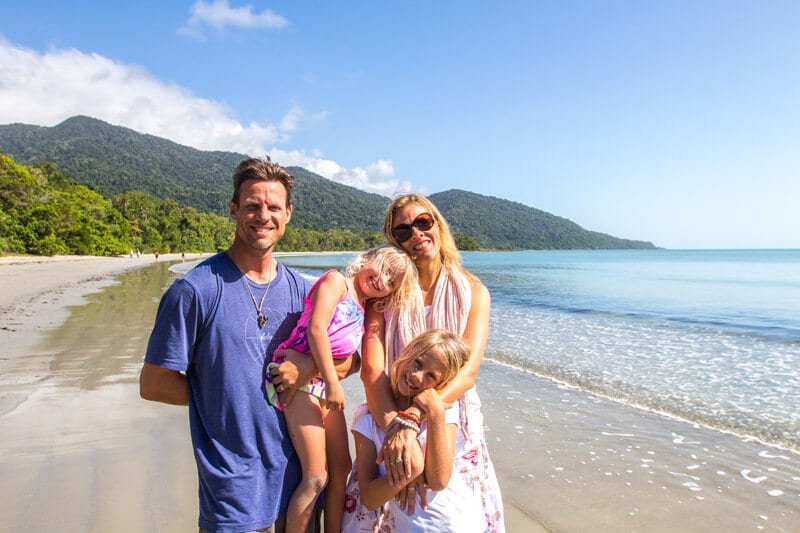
215, 331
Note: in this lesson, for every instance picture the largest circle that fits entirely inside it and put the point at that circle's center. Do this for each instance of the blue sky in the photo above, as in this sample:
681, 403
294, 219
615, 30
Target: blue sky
674, 122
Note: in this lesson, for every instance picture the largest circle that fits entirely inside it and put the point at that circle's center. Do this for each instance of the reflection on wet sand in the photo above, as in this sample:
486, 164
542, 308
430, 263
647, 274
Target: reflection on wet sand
86, 453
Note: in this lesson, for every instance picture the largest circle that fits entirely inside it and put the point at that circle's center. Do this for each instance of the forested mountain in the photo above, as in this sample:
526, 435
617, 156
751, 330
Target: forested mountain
320, 203
505, 225
114, 160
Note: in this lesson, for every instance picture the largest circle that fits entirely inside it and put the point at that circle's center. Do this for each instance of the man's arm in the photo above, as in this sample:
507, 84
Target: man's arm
163, 385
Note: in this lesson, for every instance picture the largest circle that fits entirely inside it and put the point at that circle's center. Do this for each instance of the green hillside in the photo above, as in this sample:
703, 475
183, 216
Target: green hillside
320, 203
113, 160
505, 225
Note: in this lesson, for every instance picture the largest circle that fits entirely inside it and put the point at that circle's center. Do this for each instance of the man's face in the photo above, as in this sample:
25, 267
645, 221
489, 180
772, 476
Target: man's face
261, 214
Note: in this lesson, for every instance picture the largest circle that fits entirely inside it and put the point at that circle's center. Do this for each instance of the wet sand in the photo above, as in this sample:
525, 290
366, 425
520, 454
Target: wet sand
78, 451
81, 452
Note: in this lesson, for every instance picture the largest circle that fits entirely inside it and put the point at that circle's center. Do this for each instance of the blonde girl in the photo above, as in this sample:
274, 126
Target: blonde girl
331, 327
426, 365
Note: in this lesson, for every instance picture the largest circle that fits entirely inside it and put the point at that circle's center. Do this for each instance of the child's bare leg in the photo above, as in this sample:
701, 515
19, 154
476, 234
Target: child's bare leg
304, 419
339, 465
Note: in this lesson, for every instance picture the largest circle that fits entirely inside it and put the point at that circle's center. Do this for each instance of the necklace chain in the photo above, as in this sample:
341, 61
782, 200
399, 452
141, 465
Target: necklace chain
260, 318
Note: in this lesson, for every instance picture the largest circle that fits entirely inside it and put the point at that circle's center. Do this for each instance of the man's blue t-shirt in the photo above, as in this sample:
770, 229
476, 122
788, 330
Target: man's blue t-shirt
207, 326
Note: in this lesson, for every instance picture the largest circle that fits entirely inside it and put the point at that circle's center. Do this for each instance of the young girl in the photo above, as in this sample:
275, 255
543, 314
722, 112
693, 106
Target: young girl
331, 327
424, 366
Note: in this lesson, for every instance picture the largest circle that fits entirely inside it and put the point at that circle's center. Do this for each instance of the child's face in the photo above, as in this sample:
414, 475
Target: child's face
375, 283
425, 371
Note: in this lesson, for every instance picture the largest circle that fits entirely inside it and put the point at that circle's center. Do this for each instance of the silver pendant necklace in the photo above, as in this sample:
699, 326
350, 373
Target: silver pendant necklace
261, 319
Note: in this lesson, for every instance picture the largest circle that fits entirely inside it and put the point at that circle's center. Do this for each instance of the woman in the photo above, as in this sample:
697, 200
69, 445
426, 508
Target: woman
449, 298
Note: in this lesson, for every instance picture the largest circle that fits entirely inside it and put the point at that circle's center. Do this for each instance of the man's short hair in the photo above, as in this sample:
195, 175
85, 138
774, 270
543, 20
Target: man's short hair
262, 170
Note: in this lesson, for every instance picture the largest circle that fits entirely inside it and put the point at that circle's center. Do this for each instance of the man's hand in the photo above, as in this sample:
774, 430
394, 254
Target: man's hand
296, 370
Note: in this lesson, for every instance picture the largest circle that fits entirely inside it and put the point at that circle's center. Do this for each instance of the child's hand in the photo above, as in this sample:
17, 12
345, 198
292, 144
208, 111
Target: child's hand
334, 396
406, 497
430, 402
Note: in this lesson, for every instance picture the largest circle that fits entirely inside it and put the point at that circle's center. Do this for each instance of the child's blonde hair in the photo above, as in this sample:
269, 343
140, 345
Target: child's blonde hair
452, 347
392, 259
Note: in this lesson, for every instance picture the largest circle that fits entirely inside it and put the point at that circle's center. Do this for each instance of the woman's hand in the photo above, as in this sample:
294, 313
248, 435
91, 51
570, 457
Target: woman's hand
402, 455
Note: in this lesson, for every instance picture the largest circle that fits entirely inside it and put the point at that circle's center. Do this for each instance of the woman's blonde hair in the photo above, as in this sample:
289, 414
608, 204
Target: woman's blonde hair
389, 258
452, 348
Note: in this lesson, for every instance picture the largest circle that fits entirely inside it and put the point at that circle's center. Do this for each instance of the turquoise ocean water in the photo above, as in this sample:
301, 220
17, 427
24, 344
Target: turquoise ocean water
712, 337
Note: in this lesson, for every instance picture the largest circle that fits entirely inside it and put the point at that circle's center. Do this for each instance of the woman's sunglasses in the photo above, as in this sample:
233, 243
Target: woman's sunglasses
402, 232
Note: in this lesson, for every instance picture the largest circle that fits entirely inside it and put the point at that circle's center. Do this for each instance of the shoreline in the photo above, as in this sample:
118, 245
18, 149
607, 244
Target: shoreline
38, 298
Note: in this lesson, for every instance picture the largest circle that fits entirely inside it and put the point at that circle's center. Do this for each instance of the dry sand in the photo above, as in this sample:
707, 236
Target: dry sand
80, 451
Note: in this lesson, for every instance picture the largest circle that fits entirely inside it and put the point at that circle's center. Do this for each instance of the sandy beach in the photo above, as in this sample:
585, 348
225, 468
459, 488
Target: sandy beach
81, 452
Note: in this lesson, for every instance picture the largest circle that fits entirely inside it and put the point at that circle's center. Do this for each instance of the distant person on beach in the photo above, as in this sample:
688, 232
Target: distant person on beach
426, 365
449, 298
331, 327
208, 349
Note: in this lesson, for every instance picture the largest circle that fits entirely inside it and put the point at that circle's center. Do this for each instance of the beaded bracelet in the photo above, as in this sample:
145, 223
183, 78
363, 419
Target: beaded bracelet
409, 424
405, 423
408, 416
395, 420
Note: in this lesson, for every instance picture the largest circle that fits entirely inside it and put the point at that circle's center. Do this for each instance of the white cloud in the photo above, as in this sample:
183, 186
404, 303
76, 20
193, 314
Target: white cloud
377, 178
47, 88
220, 15
297, 116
